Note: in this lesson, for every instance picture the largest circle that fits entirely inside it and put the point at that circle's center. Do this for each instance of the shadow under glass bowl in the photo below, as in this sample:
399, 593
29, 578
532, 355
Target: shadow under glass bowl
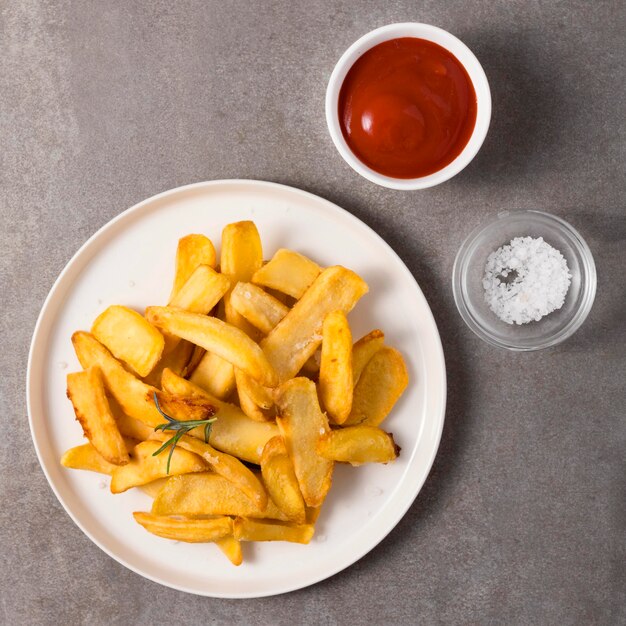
469, 269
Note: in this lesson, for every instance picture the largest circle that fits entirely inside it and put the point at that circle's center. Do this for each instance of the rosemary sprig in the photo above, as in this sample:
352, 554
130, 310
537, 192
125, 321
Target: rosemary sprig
181, 428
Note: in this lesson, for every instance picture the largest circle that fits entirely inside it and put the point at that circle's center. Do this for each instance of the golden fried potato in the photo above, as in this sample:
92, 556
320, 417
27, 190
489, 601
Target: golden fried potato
242, 255
176, 356
257, 306
144, 467
86, 457
335, 379
202, 291
215, 375
358, 445
208, 494
216, 336
301, 424
363, 350
298, 335
280, 480
231, 547
255, 400
380, 385
192, 251
233, 431
134, 397
188, 530
129, 337
252, 530
86, 391
231, 468
288, 272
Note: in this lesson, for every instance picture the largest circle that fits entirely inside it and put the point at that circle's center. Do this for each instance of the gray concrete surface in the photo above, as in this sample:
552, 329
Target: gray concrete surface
103, 104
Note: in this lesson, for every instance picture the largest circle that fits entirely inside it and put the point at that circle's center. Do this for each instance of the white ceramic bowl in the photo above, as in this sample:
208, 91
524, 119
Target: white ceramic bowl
465, 57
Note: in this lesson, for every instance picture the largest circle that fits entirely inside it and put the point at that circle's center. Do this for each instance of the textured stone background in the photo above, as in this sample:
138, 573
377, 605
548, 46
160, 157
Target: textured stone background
104, 103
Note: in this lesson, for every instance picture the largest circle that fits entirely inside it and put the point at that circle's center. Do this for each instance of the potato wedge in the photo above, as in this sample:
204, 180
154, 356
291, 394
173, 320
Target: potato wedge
144, 467
208, 494
216, 336
363, 350
86, 392
258, 307
215, 375
233, 431
134, 397
335, 379
298, 335
251, 530
280, 480
242, 255
194, 361
129, 337
250, 393
202, 291
192, 251
301, 424
288, 272
380, 385
176, 356
188, 530
231, 468
86, 457
152, 489
231, 547
261, 396
358, 445
129, 426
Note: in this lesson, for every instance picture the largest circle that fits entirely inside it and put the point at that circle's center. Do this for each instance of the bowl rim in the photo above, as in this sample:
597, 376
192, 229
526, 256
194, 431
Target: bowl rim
456, 47
588, 289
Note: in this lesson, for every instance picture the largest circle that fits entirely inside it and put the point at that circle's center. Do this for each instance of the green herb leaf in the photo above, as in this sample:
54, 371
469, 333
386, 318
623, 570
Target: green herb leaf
180, 428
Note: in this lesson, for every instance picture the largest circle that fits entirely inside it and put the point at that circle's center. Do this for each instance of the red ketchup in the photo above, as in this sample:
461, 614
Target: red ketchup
407, 108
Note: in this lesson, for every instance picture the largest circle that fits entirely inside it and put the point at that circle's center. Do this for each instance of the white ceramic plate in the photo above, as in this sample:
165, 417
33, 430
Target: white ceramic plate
130, 261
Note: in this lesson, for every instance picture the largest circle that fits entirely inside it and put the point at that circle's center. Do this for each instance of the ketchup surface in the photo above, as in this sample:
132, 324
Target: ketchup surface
407, 108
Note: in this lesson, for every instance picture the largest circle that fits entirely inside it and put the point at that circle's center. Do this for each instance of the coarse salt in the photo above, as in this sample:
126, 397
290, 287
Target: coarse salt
525, 280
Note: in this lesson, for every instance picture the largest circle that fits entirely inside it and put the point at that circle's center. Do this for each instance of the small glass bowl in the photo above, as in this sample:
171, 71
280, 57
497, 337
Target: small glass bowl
469, 269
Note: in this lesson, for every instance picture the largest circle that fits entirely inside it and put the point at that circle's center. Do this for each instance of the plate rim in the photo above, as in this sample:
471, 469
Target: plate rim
128, 213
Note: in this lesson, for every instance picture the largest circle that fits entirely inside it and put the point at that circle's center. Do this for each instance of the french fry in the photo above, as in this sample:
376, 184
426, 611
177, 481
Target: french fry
176, 356
86, 392
335, 379
231, 468
288, 272
86, 457
242, 255
363, 350
129, 426
192, 250
301, 424
188, 530
194, 361
216, 336
357, 445
152, 489
298, 335
233, 431
253, 398
208, 494
215, 375
134, 397
380, 385
144, 467
231, 547
202, 291
252, 530
280, 480
129, 337
258, 307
